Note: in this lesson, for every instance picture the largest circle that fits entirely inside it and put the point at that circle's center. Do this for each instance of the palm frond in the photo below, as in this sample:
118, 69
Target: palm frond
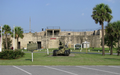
101, 13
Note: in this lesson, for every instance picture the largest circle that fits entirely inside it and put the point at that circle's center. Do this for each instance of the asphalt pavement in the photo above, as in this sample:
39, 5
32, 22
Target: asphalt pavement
59, 70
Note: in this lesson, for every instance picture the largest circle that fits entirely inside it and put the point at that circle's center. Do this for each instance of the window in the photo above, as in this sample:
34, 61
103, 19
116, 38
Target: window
68, 33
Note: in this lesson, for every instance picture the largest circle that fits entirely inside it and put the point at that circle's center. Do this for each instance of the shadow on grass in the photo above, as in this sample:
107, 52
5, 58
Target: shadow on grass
28, 59
85, 53
113, 58
99, 50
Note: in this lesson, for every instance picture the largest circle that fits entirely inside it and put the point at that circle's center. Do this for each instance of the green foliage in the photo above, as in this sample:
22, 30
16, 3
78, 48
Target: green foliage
112, 33
113, 30
18, 33
116, 33
8, 43
102, 13
110, 36
116, 26
10, 54
6, 30
108, 41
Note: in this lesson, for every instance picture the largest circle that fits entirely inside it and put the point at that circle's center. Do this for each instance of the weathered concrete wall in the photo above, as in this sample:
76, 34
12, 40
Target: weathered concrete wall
65, 33
53, 43
68, 37
71, 40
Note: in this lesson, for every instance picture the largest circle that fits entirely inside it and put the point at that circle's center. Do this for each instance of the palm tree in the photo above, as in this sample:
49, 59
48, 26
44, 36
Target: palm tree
110, 33
18, 34
100, 14
117, 30
106, 41
7, 30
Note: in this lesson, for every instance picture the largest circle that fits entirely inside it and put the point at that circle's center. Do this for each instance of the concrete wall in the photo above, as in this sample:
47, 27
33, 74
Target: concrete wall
68, 37
71, 40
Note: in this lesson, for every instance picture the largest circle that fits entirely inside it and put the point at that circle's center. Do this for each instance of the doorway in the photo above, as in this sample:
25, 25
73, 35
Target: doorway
18, 45
39, 44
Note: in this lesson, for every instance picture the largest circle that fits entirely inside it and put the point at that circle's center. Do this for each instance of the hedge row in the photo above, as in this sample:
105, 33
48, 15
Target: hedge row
10, 54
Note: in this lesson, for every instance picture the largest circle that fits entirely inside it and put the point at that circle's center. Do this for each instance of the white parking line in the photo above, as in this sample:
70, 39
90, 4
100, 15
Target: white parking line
22, 70
114, 66
98, 70
60, 70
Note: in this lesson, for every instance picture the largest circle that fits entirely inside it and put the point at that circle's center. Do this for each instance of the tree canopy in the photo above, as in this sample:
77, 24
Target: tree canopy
102, 13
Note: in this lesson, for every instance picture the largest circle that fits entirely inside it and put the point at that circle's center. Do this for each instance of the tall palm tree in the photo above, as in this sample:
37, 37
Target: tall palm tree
110, 33
117, 30
7, 30
18, 34
100, 14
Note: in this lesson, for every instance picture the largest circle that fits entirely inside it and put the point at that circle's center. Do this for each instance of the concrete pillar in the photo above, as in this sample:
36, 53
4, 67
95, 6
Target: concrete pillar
53, 33
46, 38
46, 33
73, 38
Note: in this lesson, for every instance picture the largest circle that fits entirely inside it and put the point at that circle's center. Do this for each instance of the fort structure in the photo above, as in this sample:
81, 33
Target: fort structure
49, 38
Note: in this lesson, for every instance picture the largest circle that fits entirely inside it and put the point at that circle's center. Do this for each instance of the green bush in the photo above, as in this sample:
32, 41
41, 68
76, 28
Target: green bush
10, 54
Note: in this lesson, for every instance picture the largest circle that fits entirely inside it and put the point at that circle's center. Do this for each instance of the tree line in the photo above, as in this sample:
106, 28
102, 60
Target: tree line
112, 35
6, 30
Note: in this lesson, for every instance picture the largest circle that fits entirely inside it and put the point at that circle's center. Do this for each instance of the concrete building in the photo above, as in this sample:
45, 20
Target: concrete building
50, 38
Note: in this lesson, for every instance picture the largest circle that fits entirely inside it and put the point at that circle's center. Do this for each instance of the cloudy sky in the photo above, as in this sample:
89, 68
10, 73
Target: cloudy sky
67, 14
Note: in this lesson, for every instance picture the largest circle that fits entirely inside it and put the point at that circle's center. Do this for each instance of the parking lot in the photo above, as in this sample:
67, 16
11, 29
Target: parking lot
59, 70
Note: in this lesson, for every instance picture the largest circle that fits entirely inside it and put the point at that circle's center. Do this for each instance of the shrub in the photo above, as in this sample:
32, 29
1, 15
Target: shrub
10, 54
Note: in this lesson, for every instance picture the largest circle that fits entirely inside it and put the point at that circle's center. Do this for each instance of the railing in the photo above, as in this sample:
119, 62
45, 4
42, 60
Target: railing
53, 27
80, 30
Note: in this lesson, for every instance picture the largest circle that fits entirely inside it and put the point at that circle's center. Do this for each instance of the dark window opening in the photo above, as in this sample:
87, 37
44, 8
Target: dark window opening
68, 33
56, 32
94, 33
30, 41
84, 33
49, 33
39, 45
18, 45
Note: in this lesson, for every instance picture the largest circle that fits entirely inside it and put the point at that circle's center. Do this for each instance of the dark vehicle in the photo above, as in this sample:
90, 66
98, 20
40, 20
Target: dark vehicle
61, 50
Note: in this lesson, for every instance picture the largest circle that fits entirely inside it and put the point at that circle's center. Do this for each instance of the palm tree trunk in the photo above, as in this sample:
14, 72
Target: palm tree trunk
111, 52
6, 42
103, 51
118, 42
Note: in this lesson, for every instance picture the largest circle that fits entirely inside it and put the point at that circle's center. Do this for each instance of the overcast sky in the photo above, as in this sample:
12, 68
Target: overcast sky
67, 14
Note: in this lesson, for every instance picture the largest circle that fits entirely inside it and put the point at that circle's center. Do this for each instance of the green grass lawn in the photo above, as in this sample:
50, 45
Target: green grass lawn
95, 50
78, 59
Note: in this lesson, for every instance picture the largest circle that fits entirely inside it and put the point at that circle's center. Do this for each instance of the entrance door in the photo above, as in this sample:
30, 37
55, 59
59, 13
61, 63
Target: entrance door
39, 44
18, 45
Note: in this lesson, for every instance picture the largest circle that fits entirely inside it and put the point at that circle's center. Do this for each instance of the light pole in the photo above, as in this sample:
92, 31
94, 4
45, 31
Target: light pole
14, 38
1, 40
